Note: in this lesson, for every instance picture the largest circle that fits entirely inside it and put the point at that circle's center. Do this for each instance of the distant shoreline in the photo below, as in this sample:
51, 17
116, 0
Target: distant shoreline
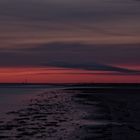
97, 86
80, 84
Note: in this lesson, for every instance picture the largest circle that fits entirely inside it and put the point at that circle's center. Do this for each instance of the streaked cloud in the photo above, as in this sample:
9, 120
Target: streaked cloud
73, 55
79, 34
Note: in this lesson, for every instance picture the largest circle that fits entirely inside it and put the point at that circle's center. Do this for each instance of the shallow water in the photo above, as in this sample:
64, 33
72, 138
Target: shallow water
13, 97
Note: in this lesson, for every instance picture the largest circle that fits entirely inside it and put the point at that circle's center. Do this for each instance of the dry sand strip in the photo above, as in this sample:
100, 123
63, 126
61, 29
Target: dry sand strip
125, 111
121, 109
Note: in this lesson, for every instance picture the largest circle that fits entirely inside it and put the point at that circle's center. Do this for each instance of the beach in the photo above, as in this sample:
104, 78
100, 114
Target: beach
76, 113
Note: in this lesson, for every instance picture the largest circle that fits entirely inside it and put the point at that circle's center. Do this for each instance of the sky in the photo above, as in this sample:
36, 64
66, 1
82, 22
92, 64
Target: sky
70, 41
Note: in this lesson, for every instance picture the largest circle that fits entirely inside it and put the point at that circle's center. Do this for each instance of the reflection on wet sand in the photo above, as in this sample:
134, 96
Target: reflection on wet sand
74, 115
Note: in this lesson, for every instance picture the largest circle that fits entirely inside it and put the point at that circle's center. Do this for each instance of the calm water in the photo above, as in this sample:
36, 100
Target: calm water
12, 97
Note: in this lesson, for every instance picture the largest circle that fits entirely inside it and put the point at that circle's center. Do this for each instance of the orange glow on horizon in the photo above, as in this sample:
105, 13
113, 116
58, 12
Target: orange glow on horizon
63, 75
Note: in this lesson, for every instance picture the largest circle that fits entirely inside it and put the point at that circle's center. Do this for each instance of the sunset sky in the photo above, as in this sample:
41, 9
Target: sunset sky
72, 41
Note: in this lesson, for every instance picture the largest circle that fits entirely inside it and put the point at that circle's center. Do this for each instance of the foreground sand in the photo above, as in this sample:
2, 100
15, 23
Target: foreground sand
76, 114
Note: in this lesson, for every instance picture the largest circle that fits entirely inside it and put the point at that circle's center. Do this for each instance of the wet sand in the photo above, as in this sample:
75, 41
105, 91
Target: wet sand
76, 114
